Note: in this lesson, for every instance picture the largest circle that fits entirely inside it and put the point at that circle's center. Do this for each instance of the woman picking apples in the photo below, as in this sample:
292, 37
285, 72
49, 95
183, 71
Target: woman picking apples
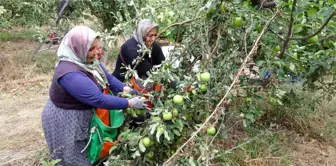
144, 37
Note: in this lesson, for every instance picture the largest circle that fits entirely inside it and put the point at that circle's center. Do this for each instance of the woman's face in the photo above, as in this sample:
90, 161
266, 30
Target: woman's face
151, 35
93, 51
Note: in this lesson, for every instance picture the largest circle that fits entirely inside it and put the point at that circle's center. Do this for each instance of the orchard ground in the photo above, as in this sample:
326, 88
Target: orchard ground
24, 83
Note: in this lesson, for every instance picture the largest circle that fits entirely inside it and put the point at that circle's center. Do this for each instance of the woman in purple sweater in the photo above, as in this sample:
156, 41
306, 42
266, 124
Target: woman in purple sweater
76, 88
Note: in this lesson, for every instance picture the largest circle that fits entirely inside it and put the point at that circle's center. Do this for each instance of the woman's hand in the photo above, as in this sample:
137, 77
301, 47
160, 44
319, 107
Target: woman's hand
131, 91
137, 102
126, 89
134, 92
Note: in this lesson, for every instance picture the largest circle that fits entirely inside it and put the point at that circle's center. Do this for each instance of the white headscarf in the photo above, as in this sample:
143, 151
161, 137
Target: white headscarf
75, 47
142, 29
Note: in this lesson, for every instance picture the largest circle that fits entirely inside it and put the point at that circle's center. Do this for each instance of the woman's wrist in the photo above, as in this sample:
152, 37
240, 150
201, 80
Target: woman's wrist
129, 103
126, 89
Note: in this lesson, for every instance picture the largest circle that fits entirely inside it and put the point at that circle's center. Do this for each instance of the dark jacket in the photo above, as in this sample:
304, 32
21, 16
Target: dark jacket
129, 52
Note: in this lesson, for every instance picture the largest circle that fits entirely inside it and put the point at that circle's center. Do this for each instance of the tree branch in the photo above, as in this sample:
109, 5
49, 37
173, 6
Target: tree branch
215, 47
193, 63
178, 34
289, 33
276, 34
268, 4
179, 23
319, 30
327, 37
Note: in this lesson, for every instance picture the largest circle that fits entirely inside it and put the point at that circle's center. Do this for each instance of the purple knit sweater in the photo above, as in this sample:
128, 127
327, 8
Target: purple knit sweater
81, 86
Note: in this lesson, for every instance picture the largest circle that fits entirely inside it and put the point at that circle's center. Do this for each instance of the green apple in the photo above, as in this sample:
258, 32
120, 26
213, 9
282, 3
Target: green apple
146, 142
211, 130
277, 49
167, 116
205, 77
178, 99
259, 28
156, 118
272, 100
314, 39
203, 88
150, 155
138, 112
175, 112
160, 128
222, 7
129, 111
238, 22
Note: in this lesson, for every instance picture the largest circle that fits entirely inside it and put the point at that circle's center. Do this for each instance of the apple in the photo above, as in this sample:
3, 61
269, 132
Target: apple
238, 22
175, 112
222, 7
178, 99
156, 118
146, 142
150, 155
205, 77
314, 39
259, 28
167, 116
272, 100
138, 112
277, 49
160, 128
203, 88
211, 130
129, 111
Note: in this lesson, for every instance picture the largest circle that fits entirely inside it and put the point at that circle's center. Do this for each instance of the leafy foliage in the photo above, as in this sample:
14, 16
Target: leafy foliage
212, 42
28, 12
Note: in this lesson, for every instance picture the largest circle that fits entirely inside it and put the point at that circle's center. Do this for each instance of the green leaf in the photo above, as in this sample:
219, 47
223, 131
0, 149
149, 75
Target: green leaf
192, 162
54, 162
260, 63
136, 154
176, 132
141, 146
44, 163
108, 139
113, 148
153, 128
250, 117
166, 135
297, 29
262, 73
312, 11
158, 135
291, 66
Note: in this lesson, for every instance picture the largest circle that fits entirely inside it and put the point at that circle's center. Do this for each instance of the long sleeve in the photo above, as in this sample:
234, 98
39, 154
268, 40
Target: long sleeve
115, 84
86, 91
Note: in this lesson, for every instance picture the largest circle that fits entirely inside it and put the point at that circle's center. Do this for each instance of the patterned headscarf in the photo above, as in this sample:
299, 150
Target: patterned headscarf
75, 47
142, 29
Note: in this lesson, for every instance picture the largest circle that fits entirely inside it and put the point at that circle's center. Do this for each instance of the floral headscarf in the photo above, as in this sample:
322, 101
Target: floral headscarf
142, 29
75, 47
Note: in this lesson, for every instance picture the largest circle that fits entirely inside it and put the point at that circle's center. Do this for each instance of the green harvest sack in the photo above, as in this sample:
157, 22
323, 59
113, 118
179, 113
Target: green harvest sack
101, 136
